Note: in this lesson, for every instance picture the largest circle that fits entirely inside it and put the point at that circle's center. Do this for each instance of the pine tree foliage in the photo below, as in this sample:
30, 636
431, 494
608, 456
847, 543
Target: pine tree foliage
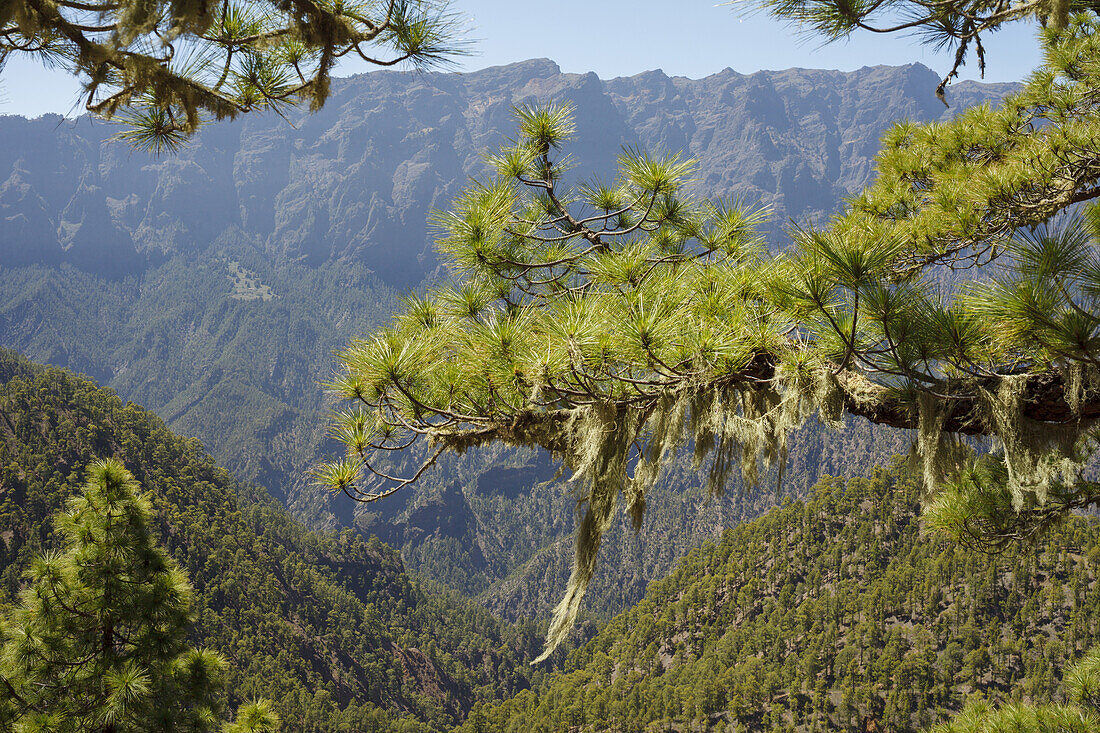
99, 640
946, 24
1080, 714
611, 322
163, 67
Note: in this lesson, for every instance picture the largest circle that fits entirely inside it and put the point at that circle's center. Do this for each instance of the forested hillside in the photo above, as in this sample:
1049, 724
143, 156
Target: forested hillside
187, 340
833, 613
328, 625
212, 287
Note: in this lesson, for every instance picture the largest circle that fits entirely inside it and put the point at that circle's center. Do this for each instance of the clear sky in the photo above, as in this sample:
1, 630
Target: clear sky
693, 38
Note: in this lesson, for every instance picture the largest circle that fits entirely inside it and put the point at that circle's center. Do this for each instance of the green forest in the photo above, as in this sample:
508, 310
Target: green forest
329, 625
825, 614
822, 614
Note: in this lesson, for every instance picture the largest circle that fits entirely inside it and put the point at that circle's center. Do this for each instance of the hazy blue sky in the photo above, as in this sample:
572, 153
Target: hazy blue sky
616, 38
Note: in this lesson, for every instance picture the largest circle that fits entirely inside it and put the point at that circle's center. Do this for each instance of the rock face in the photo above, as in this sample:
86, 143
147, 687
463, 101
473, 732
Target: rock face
356, 181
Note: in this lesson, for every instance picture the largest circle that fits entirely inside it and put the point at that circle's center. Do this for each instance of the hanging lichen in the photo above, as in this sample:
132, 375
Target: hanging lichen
734, 425
937, 452
1036, 455
600, 439
829, 398
1082, 382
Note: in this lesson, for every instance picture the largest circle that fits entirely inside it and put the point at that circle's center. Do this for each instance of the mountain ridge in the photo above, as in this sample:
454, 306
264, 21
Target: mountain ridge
354, 181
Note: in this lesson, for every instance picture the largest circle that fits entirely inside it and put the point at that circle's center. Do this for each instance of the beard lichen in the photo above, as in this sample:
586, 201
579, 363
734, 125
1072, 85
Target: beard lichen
618, 449
1082, 382
600, 438
1037, 455
939, 454
735, 424
747, 424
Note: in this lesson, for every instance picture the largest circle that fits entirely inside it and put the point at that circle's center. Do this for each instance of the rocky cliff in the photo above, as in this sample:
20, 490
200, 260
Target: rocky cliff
356, 181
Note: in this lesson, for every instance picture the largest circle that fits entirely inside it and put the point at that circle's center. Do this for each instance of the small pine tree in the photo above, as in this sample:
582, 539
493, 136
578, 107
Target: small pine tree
99, 639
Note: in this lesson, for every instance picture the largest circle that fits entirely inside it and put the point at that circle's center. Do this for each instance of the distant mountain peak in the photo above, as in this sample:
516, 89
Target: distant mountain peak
356, 180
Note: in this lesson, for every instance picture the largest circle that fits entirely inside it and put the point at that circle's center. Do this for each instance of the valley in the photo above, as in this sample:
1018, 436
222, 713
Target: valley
919, 551
331, 218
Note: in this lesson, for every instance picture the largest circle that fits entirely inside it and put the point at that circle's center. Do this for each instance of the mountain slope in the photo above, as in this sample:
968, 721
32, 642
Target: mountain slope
212, 287
329, 626
241, 373
836, 613
354, 182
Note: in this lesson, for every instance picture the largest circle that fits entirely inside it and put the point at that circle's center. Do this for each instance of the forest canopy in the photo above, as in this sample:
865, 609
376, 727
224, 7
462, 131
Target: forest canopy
613, 322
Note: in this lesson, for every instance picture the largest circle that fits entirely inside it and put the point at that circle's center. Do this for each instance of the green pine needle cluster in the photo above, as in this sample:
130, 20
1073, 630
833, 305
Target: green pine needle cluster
611, 321
99, 640
161, 68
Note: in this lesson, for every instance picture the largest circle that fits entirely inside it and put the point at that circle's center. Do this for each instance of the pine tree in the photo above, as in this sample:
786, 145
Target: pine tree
614, 322
99, 639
